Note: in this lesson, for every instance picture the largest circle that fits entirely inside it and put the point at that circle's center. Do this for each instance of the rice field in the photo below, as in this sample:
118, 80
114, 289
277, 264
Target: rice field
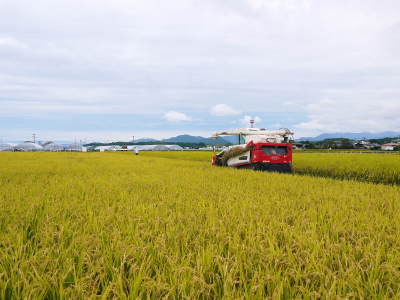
116, 225
375, 168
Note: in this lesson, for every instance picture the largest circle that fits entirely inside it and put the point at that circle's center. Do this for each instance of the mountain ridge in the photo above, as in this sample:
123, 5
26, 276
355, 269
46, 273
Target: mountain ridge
352, 136
186, 138
226, 140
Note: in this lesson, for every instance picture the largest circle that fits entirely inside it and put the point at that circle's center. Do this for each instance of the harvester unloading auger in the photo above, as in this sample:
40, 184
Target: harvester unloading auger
264, 150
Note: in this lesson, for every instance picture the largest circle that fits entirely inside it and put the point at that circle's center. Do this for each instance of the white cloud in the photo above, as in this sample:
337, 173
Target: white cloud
351, 115
12, 42
246, 120
175, 116
223, 110
104, 58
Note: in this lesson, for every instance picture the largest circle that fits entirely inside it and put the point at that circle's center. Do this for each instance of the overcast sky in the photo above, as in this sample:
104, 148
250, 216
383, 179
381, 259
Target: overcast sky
108, 70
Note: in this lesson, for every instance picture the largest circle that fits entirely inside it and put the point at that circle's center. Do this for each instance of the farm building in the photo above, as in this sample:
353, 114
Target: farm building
365, 145
390, 146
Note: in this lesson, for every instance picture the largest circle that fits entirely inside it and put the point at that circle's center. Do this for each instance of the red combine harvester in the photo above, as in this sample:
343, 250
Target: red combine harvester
264, 150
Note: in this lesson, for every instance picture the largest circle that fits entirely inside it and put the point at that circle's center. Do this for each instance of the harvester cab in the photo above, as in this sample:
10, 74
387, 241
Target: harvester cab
263, 150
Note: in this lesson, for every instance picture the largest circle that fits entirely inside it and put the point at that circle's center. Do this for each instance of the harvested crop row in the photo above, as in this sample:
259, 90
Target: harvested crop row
78, 225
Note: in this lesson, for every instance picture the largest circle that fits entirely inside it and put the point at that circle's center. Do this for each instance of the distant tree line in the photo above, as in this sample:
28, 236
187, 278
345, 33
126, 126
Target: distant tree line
182, 144
341, 143
344, 143
384, 140
336, 143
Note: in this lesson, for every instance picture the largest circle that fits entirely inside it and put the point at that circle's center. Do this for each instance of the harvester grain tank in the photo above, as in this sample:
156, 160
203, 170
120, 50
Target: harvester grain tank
264, 150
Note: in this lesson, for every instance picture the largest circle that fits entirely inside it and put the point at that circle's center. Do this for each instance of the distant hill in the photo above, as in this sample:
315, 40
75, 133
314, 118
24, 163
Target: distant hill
352, 136
233, 139
145, 140
185, 138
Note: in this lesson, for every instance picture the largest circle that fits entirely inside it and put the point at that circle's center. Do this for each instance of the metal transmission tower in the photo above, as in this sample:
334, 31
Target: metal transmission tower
251, 122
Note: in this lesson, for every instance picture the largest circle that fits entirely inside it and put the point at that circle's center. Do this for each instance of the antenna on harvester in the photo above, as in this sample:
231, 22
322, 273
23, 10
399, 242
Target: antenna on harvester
251, 122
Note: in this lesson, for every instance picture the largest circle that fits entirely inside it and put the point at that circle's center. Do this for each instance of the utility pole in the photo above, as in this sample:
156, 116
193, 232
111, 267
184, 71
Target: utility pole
34, 138
133, 138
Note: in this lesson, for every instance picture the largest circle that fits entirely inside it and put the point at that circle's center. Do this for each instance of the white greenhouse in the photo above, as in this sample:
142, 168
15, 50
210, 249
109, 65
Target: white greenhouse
28, 147
140, 148
105, 148
52, 147
6, 147
160, 148
174, 148
75, 148
145, 147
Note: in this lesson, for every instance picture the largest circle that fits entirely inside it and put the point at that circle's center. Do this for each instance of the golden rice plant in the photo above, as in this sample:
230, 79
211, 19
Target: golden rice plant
376, 168
112, 225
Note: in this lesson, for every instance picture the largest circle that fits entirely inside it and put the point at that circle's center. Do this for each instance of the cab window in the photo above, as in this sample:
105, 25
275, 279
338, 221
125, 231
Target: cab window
275, 150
